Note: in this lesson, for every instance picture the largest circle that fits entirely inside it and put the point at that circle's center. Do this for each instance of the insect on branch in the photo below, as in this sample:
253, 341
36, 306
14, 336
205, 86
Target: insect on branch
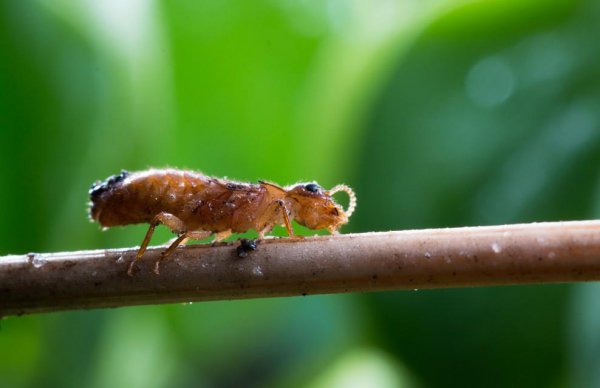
196, 206
417, 259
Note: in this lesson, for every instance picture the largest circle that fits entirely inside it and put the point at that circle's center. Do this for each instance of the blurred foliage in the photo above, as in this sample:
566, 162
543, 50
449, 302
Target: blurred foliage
439, 113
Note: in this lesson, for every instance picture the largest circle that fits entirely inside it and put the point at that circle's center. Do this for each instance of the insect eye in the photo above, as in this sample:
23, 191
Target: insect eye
312, 187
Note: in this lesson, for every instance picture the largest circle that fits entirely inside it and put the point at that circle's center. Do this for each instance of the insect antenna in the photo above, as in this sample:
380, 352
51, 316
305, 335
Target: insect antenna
347, 190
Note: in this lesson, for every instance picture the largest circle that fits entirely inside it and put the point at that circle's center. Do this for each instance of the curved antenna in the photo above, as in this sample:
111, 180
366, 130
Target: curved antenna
347, 190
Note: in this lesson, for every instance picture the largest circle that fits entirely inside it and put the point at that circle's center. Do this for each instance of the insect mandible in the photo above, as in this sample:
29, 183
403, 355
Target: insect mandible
195, 206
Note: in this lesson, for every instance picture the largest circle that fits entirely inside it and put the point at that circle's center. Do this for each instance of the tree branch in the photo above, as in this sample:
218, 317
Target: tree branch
435, 258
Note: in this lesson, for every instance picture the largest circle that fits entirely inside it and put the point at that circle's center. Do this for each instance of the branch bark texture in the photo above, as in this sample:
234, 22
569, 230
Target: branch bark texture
415, 259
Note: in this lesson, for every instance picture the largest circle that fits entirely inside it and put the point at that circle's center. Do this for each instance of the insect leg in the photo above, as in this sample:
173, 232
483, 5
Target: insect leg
168, 219
220, 236
275, 207
286, 218
196, 235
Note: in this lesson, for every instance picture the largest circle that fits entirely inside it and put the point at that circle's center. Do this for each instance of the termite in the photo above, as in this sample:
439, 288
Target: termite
195, 206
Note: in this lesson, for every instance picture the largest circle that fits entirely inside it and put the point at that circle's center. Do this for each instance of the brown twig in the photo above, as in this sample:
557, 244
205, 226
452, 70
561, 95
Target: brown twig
435, 258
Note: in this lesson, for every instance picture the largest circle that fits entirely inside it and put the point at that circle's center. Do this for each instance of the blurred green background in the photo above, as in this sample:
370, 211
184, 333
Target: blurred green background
438, 113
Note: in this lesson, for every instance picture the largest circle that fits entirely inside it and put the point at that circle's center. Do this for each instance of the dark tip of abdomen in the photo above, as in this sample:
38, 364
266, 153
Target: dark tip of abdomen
111, 182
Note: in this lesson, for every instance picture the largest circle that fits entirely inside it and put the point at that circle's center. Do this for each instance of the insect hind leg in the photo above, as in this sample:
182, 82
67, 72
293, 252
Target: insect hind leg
196, 235
169, 220
220, 236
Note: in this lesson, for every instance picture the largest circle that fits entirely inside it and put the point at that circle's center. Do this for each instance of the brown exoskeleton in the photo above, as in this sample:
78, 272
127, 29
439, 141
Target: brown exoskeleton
195, 206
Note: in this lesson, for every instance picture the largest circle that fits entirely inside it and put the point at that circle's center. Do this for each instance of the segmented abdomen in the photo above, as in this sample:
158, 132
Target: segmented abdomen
202, 203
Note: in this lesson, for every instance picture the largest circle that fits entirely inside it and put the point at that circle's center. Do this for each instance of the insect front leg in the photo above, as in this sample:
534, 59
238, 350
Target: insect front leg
196, 235
169, 220
286, 217
276, 207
